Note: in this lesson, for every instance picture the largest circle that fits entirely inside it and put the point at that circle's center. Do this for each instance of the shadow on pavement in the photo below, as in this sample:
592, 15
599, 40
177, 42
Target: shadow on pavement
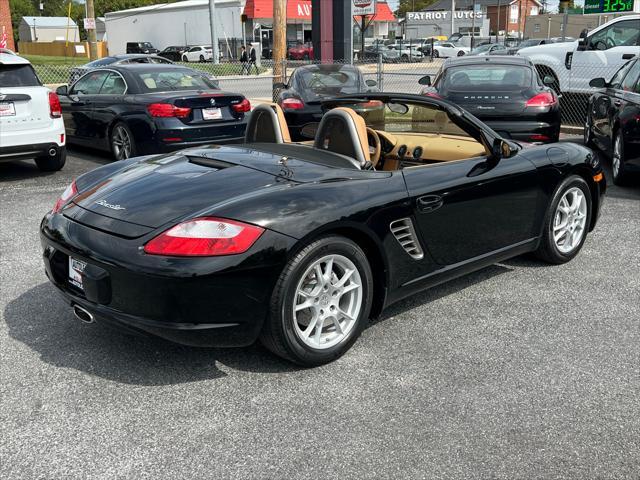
42, 320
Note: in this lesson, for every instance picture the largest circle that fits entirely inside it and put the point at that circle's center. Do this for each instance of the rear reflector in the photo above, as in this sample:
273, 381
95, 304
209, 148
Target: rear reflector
164, 110
292, 104
431, 94
545, 99
242, 107
172, 139
55, 109
539, 138
205, 236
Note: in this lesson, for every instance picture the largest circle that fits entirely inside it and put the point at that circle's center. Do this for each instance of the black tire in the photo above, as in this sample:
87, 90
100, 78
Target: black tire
460, 53
201, 58
436, 54
547, 250
47, 163
588, 132
619, 174
117, 130
279, 334
185, 59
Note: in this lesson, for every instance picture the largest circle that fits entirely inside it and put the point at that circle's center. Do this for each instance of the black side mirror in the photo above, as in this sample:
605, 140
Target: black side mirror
371, 83
598, 83
582, 42
500, 149
548, 80
62, 90
426, 81
280, 86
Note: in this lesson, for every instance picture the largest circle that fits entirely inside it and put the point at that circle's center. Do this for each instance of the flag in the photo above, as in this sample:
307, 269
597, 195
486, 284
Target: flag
3, 38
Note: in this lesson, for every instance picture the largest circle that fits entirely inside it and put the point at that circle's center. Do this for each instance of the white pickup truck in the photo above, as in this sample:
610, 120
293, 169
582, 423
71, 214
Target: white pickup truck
599, 53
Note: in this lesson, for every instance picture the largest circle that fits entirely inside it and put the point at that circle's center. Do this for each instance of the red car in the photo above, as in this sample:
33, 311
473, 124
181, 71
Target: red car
302, 51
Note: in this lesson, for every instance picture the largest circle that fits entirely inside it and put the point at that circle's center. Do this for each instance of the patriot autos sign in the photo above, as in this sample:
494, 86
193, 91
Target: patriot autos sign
364, 7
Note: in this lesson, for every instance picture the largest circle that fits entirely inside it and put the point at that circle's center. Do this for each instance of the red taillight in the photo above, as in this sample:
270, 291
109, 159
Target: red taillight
292, 104
164, 110
205, 236
545, 99
242, 107
55, 109
70, 192
432, 95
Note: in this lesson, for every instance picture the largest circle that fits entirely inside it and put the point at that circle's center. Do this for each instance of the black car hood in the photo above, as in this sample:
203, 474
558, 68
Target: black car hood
159, 189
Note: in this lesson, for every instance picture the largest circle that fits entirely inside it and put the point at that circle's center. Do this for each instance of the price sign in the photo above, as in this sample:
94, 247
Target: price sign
608, 6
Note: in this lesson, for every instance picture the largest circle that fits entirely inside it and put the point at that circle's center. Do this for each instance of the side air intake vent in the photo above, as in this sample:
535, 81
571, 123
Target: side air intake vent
406, 235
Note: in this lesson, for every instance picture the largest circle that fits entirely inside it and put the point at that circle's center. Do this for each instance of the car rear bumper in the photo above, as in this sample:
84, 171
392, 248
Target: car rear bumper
527, 131
169, 137
25, 152
207, 301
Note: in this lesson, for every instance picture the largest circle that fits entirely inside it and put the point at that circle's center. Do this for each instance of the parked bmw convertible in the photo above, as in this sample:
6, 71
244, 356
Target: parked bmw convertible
299, 245
144, 108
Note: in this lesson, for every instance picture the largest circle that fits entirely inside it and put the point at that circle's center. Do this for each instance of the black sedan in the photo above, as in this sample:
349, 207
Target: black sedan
144, 108
301, 97
613, 120
174, 52
505, 92
298, 245
114, 60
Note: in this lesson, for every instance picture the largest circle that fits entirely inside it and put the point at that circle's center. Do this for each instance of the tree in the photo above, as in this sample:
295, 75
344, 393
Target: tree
19, 9
411, 6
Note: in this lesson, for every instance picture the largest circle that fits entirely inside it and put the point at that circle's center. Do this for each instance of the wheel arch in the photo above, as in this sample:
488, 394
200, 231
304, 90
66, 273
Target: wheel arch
371, 247
587, 175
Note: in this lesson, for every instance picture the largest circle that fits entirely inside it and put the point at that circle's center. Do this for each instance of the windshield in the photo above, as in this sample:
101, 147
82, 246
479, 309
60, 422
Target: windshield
147, 45
529, 43
482, 48
101, 62
317, 83
165, 80
18, 76
487, 78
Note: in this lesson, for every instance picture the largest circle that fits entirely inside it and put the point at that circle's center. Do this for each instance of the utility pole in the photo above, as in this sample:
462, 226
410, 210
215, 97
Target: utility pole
498, 23
214, 35
473, 25
91, 32
453, 14
279, 40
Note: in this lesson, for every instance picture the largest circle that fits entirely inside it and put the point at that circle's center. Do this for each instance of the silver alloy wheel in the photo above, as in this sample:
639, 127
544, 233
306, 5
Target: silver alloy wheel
328, 302
570, 220
617, 156
121, 142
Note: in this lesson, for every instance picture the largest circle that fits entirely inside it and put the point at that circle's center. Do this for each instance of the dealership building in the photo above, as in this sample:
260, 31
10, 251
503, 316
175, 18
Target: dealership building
187, 23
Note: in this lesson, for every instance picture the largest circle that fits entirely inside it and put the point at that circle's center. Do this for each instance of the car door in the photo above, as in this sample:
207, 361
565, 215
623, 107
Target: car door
466, 209
606, 51
77, 107
106, 106
628, 104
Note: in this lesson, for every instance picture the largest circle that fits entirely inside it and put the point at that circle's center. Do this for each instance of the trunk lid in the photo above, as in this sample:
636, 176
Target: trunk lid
207, 108
492, 104
159, 189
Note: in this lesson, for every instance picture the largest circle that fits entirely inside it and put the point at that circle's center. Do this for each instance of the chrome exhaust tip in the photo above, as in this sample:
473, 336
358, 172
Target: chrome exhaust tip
82, 314
52, 152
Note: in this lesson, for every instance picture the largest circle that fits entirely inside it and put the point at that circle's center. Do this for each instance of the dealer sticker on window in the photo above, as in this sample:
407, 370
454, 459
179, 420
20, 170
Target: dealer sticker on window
7, 109
76, 268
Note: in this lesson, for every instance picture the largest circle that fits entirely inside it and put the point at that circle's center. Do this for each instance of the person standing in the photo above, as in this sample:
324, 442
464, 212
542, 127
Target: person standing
252, 60
244, 60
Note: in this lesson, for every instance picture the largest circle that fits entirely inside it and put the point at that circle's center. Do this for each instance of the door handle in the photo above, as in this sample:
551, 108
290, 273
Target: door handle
628, 56
429, 203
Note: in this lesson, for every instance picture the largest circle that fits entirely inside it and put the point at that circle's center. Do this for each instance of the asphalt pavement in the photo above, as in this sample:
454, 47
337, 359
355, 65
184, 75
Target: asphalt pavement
521, 370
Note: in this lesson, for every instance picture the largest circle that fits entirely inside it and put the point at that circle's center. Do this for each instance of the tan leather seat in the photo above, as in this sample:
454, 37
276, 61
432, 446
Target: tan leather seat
267, 125
343, 131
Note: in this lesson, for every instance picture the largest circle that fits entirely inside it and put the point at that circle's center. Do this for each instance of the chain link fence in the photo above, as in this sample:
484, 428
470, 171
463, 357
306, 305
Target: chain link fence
391, 75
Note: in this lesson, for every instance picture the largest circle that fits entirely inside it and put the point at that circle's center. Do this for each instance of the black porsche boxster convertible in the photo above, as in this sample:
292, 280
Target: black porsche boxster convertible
298, 245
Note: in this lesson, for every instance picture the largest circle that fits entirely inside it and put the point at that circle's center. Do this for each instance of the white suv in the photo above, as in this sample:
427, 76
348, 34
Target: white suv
30, 116
599, 53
